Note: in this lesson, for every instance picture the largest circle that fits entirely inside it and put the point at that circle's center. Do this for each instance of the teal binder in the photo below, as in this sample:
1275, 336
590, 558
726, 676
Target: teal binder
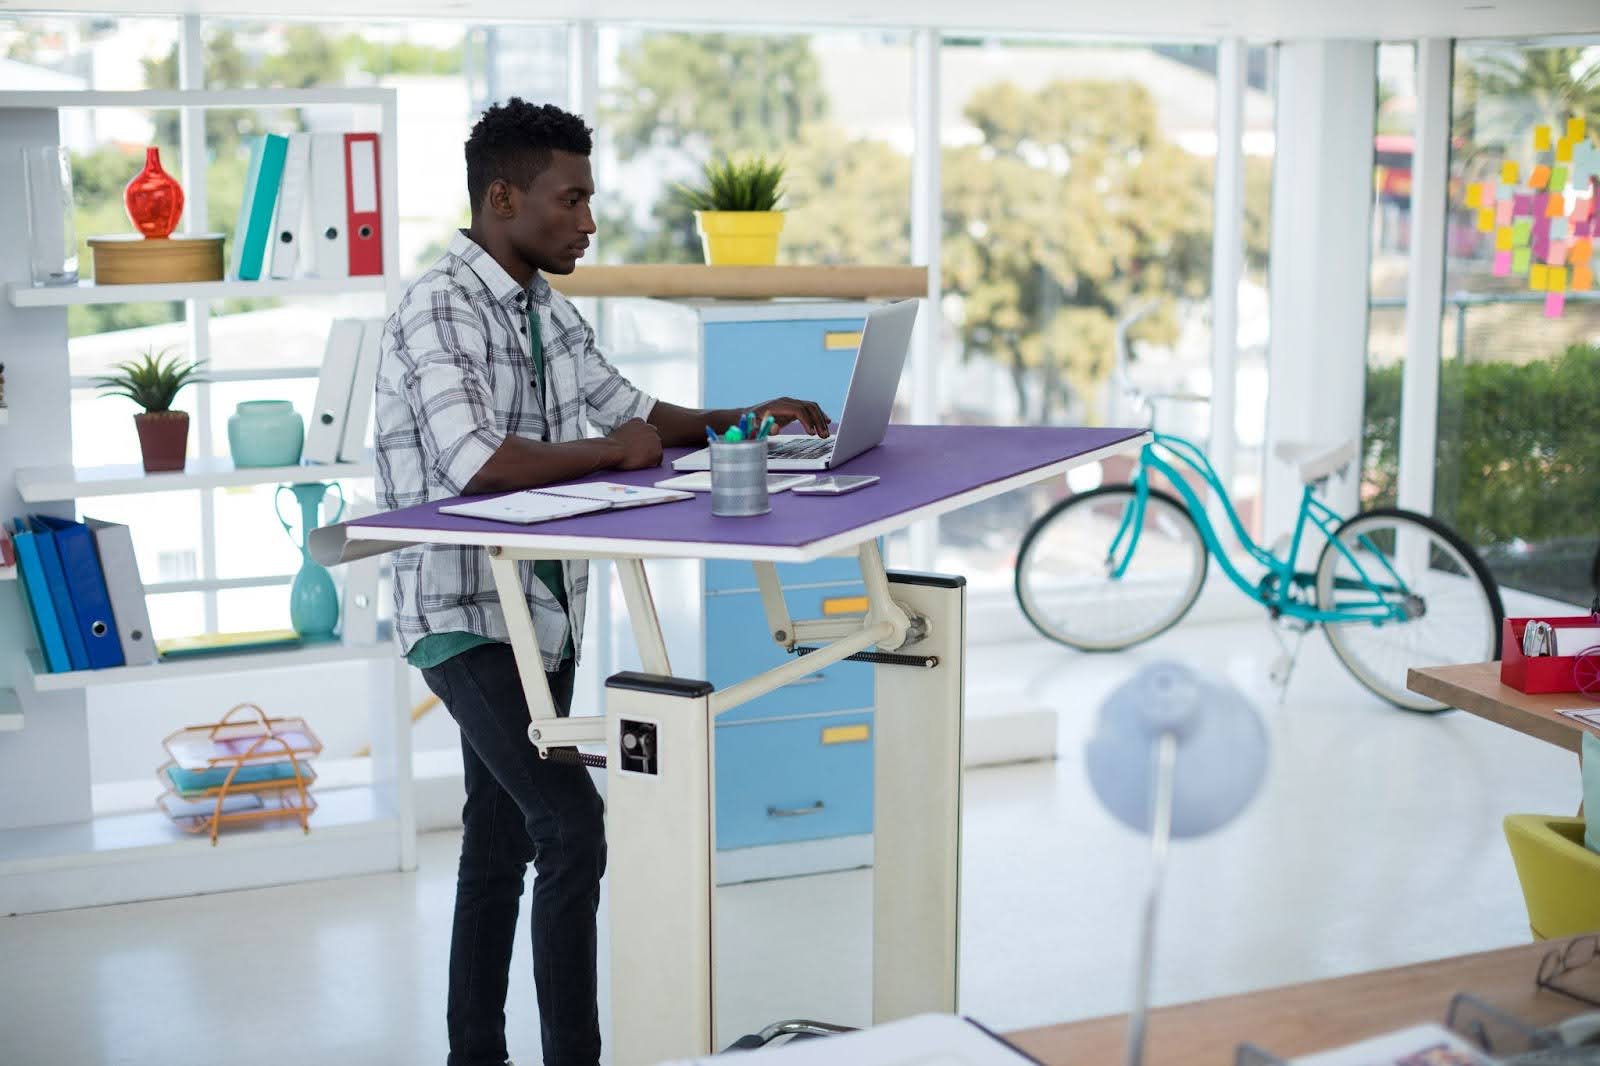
55, 579
41, 608
253, 230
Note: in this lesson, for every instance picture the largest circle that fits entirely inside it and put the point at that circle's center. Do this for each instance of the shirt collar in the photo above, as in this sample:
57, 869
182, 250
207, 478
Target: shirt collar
502, 286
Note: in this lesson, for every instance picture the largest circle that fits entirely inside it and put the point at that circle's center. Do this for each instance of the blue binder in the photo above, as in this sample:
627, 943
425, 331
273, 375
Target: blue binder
55, 578
41, 608
86, 585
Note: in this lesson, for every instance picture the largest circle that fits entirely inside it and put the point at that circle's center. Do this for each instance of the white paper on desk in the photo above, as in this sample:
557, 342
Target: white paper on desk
524, 508
1586, 715
615, 494
925, 1040
1422, 1045
1575, 640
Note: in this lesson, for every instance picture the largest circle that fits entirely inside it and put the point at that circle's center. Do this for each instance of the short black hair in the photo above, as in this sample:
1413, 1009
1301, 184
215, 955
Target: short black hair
515, 140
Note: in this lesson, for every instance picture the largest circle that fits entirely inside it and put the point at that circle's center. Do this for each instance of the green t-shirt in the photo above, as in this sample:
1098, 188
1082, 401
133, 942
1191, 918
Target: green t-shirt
436, 648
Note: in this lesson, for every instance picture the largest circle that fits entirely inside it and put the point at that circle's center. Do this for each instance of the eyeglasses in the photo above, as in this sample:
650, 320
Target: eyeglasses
1574, 955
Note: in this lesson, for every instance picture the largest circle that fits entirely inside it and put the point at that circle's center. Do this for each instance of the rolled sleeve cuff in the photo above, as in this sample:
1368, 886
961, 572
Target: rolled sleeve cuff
461, 463
642, 406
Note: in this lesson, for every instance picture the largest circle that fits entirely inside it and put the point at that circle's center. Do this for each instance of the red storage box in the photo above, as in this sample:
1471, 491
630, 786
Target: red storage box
1542, 673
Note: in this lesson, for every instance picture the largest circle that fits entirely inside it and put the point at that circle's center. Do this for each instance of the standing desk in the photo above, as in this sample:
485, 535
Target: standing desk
658, 728
1476, 689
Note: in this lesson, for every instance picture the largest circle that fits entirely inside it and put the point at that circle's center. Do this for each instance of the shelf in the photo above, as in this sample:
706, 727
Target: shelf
126, 857
8, 573
87, 292
683, 282
200, 666
165, 99
43, 484
10, 711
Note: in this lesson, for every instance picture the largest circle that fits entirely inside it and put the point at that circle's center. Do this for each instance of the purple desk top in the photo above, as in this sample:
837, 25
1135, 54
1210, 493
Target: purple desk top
918, 465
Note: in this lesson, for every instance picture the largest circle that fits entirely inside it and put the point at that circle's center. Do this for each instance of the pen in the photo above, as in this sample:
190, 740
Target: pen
744, 423
766, 427
711, 434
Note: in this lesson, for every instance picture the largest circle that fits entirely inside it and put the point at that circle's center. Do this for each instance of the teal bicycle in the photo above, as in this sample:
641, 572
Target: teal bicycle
1110, 568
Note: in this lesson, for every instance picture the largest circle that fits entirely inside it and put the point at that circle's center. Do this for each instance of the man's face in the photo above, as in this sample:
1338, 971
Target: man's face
552, 222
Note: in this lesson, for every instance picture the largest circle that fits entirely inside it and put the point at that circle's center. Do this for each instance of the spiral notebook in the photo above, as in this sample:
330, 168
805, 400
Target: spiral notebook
563, 501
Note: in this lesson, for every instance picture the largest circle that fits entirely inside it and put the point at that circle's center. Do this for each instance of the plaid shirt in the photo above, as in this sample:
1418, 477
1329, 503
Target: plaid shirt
454, 380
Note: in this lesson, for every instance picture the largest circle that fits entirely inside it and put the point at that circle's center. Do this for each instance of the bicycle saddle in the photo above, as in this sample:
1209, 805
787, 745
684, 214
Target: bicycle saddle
1316, 461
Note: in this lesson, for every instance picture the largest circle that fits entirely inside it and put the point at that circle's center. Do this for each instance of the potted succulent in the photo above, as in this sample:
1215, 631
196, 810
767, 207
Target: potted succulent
736, 211
152, 381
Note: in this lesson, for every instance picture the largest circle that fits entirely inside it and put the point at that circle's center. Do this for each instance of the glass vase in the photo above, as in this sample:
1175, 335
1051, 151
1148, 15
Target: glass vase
52, 233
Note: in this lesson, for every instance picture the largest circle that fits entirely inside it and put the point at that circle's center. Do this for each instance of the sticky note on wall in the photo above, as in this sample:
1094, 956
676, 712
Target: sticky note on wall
1474, 197
1508, 173
1502, 213
1554, 304
1537, 280
1502, 239
1558, 179
1521, 229
1540, 177
1502, 264
1520, 261
1581, 251
1576, 128
1564, 150
1556, 207
1485, 220
1556, 280
1541, 138
1582, 278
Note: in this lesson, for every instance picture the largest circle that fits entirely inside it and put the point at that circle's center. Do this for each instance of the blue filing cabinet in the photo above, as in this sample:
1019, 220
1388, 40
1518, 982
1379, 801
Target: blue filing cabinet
796, 764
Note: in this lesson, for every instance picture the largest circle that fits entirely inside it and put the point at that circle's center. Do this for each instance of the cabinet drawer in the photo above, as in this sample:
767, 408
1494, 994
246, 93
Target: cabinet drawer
739, 646
779, 782
811, 359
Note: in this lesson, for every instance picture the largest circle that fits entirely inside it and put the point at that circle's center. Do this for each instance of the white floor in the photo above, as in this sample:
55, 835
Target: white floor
1376, 842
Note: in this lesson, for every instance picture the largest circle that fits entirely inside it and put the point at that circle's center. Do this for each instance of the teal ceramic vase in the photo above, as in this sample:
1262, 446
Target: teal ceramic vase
265, 433
313, 599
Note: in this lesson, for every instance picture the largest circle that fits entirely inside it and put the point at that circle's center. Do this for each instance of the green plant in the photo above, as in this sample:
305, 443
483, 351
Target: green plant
152, 381
755, 185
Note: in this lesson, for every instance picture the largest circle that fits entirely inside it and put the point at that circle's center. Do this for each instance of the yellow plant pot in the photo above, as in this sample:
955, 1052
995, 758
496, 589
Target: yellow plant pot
740, 238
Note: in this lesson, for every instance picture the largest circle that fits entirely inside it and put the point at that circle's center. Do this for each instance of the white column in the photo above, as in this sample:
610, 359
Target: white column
1227, 256
1430, 175
1321, 196
927, 223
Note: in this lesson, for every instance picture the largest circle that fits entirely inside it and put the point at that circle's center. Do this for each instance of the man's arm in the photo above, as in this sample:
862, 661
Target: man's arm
520, 463
684, 427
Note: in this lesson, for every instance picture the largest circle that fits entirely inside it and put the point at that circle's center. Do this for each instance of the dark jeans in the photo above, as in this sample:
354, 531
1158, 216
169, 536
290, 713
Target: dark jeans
520, 808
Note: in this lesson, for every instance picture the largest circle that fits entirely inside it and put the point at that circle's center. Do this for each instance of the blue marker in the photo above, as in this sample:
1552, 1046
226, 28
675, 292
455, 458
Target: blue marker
711, 434
744, 424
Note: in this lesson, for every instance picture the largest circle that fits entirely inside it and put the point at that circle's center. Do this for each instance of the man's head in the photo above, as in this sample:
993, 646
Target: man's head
528, 178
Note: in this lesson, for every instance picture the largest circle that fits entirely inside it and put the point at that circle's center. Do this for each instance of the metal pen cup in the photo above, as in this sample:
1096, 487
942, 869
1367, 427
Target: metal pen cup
739, 478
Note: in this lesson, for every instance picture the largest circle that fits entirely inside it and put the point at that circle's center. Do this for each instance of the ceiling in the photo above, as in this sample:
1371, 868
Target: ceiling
1255, 19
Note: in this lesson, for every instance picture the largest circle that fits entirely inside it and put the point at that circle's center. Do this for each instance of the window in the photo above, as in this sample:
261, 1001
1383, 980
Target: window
1518, 449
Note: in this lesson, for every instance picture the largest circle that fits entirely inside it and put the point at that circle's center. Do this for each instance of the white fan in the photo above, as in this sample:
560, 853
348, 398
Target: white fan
1173, 754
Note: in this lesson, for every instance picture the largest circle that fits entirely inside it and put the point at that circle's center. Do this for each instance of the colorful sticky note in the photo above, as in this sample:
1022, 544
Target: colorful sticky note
1540, 177
1520, 262
1541, 138
1580, 251
1582, 278
1537, 280
1556, 207
1575, 128
1554, 304
1474, 196
1524, 202
1502, 239
1502, 264
1585, 163
1558, 179
1508, 173
1521, 229
1502, 213
1485, 220
1558, 229
1582, 209
1557, 255
1583, 229
1556, 280
1564, 150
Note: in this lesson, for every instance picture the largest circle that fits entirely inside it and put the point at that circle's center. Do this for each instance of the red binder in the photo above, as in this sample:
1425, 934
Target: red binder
362, 203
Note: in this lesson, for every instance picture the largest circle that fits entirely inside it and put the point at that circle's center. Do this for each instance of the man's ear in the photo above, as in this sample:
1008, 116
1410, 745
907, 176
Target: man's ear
498, 198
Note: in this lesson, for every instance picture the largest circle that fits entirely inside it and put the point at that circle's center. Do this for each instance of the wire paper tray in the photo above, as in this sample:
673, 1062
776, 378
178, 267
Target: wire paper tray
209, 815
249, 736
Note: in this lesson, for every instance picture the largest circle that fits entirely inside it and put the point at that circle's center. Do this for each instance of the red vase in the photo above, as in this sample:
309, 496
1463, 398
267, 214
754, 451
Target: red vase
154, 198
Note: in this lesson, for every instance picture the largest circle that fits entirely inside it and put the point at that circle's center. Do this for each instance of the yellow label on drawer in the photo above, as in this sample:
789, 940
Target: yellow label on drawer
835, 605
841, 341
846, 734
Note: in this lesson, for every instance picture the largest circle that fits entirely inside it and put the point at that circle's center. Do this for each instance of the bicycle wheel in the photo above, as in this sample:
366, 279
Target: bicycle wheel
1065, 582
1453, 610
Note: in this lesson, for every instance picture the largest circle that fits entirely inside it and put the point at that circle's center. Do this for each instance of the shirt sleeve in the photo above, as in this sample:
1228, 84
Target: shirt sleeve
446, 350
611, 398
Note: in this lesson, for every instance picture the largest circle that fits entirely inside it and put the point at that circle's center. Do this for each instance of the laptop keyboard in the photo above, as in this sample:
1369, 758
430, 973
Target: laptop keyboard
793, 447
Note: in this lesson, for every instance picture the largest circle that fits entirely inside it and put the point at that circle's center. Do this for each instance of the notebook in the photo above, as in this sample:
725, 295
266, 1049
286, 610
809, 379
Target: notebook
700, 481
563, 501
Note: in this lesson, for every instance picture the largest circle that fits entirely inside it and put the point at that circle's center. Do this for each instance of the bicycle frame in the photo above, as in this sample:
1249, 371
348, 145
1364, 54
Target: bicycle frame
1388, 592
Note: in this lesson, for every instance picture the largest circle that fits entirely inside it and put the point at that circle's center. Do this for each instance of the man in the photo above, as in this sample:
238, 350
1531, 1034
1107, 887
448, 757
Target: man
486, 378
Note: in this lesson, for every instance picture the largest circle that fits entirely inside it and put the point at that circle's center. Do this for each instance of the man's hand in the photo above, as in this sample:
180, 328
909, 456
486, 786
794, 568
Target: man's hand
640, 443
785, 410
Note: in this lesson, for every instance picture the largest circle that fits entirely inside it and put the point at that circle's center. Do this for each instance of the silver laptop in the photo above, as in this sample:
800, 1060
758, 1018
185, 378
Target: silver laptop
884, 342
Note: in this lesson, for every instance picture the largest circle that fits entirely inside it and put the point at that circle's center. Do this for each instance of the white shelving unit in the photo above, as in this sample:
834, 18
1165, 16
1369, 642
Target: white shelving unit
47, 483
54, 852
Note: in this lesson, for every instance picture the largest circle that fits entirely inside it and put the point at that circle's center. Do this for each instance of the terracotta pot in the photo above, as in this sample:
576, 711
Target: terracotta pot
154, 198
163, 439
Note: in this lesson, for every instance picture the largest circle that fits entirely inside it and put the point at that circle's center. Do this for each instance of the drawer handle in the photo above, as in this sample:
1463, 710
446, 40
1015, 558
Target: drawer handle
794, 812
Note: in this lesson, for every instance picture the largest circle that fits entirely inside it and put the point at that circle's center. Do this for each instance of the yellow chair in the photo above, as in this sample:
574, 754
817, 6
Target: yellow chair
1560, 877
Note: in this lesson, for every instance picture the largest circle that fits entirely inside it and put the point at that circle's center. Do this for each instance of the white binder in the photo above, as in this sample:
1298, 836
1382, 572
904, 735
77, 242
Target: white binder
325, 427
353, 441
330, 247
125, 590
289, 224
